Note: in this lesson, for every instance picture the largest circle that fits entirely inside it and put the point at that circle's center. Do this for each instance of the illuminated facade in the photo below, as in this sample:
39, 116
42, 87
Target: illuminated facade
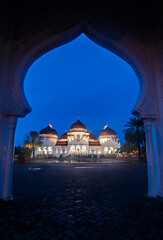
77, 142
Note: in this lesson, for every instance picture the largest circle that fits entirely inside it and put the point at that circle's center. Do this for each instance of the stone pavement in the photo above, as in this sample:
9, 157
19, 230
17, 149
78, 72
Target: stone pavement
81, 201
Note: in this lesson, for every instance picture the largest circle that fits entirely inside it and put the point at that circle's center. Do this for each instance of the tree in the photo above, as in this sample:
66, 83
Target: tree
31, 141
18, 153
135, 133
128, 148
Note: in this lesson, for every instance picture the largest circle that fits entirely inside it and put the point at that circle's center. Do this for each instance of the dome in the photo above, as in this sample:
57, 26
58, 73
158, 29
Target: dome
78, 126
64, 136
92, 136
49, 130
107, 132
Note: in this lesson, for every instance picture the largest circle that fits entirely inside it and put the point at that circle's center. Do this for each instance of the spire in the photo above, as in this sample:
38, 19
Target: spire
78, 119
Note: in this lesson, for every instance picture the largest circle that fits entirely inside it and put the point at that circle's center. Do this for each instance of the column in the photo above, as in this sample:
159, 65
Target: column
53, 150
150, 159
9, 161
158, 140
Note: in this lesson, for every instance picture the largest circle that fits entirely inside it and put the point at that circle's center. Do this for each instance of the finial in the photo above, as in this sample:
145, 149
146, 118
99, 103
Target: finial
106, 126
78, 117
66, 131
50, 125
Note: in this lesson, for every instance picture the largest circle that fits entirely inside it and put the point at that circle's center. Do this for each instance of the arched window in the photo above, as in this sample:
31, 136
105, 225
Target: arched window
105, 150
72, 148
39, 149
50, 150
83, 148
111, 150
78, 148
45, 150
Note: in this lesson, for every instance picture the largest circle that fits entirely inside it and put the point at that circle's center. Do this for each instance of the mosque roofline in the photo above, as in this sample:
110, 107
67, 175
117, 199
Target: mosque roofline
61, 143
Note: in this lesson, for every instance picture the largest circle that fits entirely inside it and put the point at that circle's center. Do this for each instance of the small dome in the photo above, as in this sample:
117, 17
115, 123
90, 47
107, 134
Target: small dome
78, 126
107, 132
49, 130
64, 136
92, 136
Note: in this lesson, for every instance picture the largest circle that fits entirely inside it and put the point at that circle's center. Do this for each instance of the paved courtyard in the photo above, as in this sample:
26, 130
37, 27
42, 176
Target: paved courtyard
81, 201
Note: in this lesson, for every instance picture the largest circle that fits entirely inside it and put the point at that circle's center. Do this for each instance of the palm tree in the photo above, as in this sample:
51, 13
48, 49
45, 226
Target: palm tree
135, 133
31, 140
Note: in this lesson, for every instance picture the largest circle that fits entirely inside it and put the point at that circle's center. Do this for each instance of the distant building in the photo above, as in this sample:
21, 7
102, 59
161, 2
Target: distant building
77, 142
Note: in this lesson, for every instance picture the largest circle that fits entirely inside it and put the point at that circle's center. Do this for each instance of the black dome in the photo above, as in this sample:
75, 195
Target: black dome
78, 126
92, 136
49, 130
107, 132
63, 136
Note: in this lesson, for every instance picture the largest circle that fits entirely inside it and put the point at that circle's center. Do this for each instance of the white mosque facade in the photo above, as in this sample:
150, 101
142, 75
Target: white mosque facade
78, 141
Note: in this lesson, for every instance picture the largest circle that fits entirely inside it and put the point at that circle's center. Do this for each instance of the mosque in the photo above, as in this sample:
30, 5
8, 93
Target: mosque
78, 141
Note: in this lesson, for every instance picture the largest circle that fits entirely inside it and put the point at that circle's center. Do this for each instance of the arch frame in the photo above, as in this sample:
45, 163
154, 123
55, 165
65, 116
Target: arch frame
142, 57
145, 107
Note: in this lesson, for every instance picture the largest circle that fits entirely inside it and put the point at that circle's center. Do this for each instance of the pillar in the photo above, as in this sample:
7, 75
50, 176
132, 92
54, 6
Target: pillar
152, 192
158, 139
9, 161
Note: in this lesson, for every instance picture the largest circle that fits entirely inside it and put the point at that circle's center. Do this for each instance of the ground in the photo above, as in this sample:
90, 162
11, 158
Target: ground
81, 201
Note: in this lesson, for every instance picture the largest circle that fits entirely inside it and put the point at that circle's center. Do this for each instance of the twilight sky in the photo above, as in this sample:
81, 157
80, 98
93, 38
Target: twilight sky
79, 79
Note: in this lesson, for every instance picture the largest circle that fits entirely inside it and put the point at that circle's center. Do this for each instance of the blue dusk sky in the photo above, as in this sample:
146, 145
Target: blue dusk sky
79, 79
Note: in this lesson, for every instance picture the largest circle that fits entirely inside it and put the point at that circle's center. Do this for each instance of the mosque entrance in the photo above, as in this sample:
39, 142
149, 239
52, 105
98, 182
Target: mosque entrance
78, 150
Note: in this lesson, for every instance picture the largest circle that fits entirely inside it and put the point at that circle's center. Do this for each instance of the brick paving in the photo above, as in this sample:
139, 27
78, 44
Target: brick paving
81, 201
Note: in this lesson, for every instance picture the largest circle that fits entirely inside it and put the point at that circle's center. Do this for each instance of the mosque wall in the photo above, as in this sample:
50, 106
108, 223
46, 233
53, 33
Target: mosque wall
77, 142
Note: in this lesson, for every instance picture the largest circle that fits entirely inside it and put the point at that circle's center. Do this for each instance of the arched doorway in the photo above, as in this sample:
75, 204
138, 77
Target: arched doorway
17, 105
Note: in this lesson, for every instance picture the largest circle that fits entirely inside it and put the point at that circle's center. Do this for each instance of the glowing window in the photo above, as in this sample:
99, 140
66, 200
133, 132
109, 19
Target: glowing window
50, 150
78, 148
45, 150
83, 148
110, 151
72, 148
105, 149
